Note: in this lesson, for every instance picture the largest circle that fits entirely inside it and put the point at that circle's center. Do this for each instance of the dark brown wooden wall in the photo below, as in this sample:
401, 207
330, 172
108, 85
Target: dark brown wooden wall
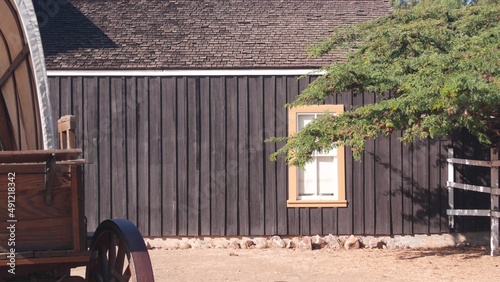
185, 156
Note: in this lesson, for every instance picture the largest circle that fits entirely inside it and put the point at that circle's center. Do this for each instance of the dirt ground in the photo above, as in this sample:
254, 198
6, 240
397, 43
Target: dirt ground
449, 264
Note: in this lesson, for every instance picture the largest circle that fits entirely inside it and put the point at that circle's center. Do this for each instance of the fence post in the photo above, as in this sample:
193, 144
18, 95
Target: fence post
451, 178
494, 205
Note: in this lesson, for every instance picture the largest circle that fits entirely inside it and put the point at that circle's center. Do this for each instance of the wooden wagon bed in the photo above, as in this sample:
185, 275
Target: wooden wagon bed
42, 222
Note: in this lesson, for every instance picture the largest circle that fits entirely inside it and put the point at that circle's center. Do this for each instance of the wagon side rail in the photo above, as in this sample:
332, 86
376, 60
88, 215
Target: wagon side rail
42, 208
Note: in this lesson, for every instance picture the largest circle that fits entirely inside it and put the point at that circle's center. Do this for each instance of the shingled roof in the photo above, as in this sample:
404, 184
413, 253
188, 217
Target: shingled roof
187, 34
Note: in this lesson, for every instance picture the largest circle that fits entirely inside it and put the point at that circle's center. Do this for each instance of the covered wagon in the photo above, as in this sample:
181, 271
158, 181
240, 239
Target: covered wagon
43, 231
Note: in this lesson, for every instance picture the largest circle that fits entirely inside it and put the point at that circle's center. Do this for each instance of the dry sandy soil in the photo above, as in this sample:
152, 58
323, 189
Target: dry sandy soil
449, 264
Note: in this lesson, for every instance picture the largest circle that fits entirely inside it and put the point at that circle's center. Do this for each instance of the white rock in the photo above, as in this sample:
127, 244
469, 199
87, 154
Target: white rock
184, 245
333, 242
318, 242
260, 243
352, 243
220, 243
234, 245
246, 244
277, 242
305, 244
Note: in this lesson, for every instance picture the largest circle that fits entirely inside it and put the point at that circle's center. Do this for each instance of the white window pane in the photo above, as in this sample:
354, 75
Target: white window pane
308, 179
332, 152
303, 120
327, 175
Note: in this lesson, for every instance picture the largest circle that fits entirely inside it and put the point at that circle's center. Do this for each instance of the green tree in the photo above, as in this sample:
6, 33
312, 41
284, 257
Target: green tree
439, 60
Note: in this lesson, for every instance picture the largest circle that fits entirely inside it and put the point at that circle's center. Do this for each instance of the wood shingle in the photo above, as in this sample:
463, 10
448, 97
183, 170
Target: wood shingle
183, 34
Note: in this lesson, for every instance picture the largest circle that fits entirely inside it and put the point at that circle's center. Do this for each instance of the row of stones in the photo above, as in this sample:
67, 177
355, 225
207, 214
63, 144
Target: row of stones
300, 243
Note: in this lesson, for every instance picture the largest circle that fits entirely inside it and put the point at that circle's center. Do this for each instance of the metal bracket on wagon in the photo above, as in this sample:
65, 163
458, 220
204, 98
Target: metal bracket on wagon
50, 168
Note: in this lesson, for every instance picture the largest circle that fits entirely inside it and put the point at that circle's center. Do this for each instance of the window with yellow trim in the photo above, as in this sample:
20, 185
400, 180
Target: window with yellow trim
322, 181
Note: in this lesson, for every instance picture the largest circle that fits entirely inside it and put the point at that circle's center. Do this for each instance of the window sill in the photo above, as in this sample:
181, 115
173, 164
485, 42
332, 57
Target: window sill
316, 204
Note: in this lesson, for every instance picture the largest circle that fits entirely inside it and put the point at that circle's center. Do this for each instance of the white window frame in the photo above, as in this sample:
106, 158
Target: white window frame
296, 200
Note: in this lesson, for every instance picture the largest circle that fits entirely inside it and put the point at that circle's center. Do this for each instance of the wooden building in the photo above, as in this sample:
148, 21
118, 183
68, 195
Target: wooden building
175, 100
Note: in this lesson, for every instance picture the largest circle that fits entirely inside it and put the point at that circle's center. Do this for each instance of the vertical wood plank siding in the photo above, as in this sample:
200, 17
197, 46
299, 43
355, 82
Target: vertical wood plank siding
185, 156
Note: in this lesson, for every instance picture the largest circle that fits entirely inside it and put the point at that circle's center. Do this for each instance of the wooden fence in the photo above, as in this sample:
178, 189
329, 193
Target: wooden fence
185, 156
493, 190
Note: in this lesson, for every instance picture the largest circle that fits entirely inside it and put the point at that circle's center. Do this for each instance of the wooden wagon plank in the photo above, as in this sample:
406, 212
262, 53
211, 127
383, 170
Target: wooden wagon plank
81, 258
30, 196
78, 206
35, 156
41, 234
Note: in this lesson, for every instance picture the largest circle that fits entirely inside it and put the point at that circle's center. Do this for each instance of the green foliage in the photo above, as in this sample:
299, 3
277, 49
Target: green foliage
434, 68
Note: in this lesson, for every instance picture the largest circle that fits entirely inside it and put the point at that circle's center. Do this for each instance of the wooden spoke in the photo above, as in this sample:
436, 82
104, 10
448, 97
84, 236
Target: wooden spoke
121, 254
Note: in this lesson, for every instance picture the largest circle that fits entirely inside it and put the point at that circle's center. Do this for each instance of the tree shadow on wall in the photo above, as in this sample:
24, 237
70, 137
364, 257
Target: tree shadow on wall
467, 146
422, 198
64, 28
423, 193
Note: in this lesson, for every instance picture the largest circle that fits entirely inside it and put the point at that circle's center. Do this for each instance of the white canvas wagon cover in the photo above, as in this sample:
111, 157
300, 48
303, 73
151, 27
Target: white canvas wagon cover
25, 113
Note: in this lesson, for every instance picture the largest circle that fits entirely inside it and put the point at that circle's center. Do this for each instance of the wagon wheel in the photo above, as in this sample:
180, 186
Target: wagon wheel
119, 254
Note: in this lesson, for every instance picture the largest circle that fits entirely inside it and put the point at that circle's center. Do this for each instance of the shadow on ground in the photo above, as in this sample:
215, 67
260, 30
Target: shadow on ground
465, 252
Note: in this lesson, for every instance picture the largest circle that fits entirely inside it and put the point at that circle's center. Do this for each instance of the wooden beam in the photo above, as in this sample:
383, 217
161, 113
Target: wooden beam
494, 241
468, 212
469, 187
451, 196
35, 156
7, 140
66, 126
15, 64
469, 162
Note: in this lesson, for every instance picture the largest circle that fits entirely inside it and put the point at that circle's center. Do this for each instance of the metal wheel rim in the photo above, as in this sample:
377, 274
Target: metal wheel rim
119, 254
